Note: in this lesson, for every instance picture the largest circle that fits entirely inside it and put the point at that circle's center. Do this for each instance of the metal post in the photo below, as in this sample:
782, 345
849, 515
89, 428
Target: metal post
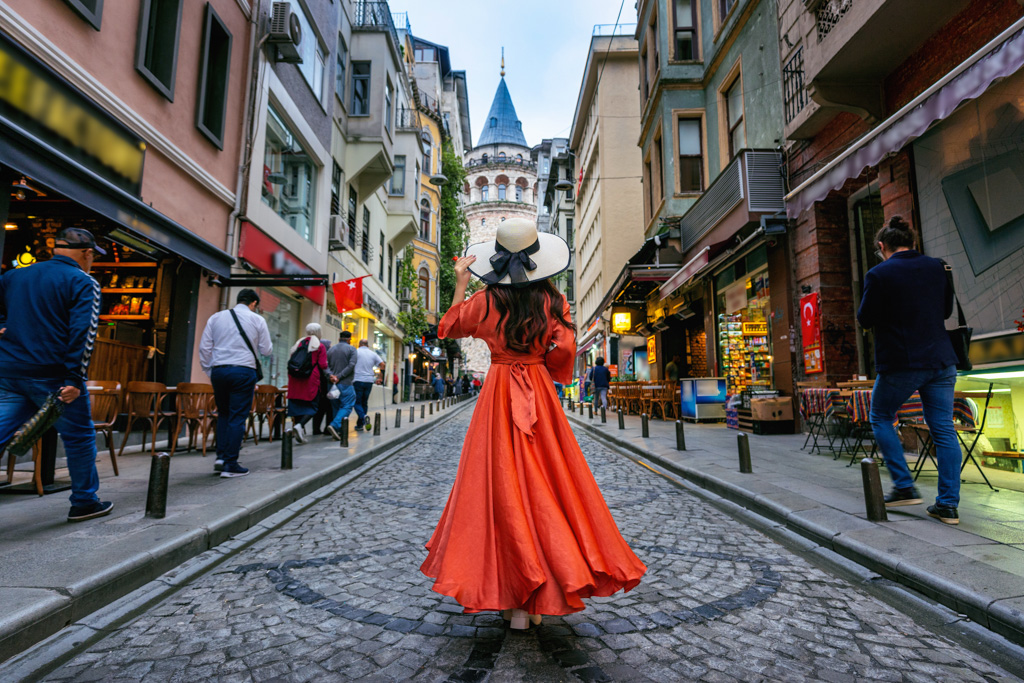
431, 407
412, 414
874, 500
423, 412
159, 475
604, 417
680, 437
571, 406
581, 408
590, 411
622, 419
743, 444
376, 424
398, 418
286, 451
344, 432
645, 427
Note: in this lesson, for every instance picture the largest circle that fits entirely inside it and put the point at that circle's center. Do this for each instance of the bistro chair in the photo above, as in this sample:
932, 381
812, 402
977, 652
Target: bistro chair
195, 411
265, 410
105, 402
37, 470
145, 402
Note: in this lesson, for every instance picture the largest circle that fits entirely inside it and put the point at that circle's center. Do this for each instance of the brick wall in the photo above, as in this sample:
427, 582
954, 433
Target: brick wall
696, 353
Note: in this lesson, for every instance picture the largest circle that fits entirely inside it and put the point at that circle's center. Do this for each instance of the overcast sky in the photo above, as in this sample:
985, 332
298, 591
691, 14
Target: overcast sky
546, 43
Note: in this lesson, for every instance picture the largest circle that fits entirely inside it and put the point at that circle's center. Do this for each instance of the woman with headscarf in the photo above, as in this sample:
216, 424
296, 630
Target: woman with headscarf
307, 363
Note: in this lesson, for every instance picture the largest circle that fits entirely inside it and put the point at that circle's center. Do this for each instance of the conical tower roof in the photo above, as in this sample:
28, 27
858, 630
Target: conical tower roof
502, 126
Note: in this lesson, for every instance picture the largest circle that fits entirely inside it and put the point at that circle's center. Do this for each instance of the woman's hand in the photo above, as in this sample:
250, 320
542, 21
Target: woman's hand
462, 274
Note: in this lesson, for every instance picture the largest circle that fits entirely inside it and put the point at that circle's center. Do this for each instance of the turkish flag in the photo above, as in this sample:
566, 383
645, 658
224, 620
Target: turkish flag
810, 319
348, 294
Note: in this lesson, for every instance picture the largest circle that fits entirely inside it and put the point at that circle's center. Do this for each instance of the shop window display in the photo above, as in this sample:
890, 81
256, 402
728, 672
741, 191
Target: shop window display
744, 333
289, 177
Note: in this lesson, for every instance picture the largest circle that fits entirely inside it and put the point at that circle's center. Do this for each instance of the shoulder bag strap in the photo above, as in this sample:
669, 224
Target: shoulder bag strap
245, 338
961, 319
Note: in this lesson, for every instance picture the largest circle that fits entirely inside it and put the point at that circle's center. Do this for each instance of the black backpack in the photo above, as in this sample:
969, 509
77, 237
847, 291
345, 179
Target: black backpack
300, 364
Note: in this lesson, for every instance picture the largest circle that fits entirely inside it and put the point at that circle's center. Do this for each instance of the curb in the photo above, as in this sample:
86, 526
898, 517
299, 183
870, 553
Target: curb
830, 531
50, 612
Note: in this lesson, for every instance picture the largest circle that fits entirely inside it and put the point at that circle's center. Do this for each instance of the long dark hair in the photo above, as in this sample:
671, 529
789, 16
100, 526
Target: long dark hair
523, 312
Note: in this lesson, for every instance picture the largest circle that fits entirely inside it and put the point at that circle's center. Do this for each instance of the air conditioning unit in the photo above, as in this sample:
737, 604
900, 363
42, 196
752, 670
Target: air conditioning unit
659, 325
285, 33
337, 234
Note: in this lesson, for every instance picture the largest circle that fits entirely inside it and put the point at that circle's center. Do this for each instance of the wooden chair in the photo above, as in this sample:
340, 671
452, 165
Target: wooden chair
37, 470
195, 410
265, 410
105, 402
145, 402
664, 399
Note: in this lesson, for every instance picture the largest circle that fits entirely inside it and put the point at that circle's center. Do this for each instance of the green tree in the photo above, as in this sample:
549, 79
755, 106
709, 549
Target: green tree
453, 226
413, 321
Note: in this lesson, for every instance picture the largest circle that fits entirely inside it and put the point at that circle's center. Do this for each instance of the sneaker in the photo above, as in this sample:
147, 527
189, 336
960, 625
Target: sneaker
233, 469
359, 424
218, 465
367, 426
299, 434
333, 432
899, 497
946, 515
80, 513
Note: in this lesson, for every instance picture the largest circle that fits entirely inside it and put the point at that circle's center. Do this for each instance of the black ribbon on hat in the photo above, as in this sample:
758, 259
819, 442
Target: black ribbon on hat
511, 263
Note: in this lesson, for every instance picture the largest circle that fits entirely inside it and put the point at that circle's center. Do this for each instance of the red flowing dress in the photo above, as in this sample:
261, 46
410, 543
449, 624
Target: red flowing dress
525, 525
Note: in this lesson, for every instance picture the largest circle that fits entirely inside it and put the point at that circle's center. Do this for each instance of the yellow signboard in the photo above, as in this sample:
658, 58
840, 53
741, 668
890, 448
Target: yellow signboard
622, 322
755, 329
652, 352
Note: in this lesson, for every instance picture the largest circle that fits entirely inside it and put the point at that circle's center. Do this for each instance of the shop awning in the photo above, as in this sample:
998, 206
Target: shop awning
36, 159
998, 59
643, 272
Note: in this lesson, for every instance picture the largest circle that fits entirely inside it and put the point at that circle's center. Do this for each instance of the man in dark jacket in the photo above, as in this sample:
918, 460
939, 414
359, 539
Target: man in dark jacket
602, 378
341, 363
48, 318
906, 299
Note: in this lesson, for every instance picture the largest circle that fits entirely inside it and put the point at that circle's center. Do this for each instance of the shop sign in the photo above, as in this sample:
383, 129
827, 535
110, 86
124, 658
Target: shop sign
622, 322
755, 329
35, 99
1000, 348
735, 297
613, 370
810, 329
259, 250
652, 354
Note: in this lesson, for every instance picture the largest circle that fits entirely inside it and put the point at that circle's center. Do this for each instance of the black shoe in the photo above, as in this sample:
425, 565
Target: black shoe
944, 514
218, 466
359, 425
233, 469
333, 432
899, 497
80, 513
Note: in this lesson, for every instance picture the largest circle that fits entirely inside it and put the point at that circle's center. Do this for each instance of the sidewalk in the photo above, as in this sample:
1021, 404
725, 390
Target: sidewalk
976, 568
53, 573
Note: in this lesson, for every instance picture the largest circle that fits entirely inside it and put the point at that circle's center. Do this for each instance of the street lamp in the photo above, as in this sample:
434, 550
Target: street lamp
439, 179
564, 185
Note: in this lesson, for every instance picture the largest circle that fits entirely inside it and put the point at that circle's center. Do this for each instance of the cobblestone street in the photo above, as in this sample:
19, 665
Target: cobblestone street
336, 595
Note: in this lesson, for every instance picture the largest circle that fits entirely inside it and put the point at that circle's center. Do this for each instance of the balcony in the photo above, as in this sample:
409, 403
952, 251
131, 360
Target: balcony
403, 209
850, 46
507, 162
375, 16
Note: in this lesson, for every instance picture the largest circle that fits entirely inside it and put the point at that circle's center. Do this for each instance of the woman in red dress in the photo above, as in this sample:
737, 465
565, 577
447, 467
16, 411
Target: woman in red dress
525, 528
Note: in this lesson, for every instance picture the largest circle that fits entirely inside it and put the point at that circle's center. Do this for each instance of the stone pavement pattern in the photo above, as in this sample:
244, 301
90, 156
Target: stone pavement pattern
336, 595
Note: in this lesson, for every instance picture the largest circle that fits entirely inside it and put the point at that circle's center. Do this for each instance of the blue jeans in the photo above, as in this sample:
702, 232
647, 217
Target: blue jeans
233, 388
363, 390
343, 404
21, 398
601, 396
892, 389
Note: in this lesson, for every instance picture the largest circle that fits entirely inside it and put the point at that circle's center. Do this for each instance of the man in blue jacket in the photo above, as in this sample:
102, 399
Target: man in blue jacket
48, 317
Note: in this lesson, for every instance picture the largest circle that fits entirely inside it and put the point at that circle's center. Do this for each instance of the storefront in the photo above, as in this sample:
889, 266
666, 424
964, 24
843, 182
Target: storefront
743, 306
65, 162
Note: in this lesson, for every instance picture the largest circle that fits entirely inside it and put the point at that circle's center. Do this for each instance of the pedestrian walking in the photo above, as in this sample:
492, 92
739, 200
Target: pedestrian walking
477, 385
394, 387
227, 354
324, 411
341, 363
367, 361
465, 384
906, 299
602, 378
48, 320
438, 385
307, 370
525, 529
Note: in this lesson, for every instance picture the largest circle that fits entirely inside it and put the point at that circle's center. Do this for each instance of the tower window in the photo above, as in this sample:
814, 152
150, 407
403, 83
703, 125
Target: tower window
494, 122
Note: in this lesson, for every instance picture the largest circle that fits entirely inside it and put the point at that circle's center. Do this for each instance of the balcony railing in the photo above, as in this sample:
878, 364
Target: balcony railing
495, 161
614, 30
375, 15
407, 119
794, 93
828, 15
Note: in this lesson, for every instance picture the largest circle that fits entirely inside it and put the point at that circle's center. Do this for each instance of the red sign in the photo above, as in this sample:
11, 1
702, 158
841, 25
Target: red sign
810, 331
262, 252
348, 294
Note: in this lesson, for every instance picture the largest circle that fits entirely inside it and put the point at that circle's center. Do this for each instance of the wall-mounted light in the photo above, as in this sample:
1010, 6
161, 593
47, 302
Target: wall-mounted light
10, 226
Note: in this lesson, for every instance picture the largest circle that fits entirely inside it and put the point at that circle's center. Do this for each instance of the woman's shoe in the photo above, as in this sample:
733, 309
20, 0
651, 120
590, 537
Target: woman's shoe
506, 614
520, 619
535, 619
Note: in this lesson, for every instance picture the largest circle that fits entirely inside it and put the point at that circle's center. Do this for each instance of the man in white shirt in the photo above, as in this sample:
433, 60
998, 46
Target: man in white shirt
230, 361
363, 380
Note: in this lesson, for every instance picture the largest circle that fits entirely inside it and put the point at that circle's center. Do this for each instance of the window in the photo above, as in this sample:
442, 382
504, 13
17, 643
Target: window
215, 65
734, 116
723, 8
391, 265
484, 192
501, 156
519, 194
366, 248
686, 30
380, 257
483, 222
427, 161
425, 220
494, 122
691, 157
425, 54
425, 287
570, 285
398, 177
312, 53
339, 76
335, 189
289, 176
519, 158
484, 159
644, 89
389, 94
156, 53
568, 232
353, 203
90, 10
501, 192
360, 89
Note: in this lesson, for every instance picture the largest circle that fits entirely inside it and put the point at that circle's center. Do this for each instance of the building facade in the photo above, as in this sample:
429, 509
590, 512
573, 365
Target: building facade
556, 195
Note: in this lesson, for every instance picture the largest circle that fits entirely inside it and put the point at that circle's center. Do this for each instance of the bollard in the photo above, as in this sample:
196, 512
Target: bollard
645, 427
604, 417
590, 411
344, 432
874, 499
376, 424
156, 496
431, 407
423, 412
571, 406
581, 409
744, 448
286, 451
622, 419
680, 437
412, 414
398, 418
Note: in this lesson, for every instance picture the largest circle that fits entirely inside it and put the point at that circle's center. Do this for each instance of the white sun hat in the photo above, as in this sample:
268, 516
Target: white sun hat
519, 255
